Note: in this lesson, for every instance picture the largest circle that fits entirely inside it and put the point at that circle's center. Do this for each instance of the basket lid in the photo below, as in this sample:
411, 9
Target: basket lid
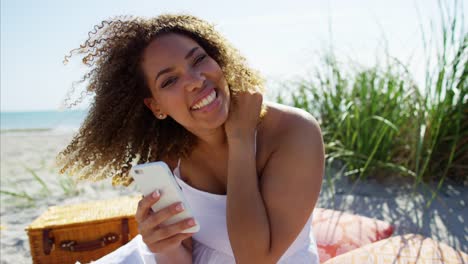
92, 211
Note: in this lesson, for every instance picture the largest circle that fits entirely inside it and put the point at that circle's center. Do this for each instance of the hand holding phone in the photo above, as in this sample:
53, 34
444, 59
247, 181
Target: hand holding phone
160, 239
154, 176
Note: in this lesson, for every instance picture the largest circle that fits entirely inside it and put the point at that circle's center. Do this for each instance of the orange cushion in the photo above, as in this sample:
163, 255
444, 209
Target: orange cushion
339, 232
409, 248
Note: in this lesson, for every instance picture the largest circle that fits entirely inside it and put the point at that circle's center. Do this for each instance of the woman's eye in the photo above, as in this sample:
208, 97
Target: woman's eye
168, 82
199, 59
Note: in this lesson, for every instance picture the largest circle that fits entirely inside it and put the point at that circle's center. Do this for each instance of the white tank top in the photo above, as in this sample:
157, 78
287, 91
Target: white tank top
211, 243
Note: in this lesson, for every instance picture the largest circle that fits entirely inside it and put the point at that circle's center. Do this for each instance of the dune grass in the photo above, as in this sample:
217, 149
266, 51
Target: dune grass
22, 195
38, 179
380, 123
442, 144
27, 199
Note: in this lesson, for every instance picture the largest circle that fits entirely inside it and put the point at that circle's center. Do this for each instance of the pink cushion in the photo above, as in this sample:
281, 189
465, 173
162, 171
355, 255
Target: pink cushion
338, 232
409, 248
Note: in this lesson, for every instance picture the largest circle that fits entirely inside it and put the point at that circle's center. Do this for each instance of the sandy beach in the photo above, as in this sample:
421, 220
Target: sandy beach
27, 156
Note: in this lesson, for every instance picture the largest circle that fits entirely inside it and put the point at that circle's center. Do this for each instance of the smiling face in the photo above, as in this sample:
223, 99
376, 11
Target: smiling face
185, 82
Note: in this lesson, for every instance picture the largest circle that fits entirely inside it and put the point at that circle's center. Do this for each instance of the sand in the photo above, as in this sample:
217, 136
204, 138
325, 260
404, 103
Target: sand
25, 155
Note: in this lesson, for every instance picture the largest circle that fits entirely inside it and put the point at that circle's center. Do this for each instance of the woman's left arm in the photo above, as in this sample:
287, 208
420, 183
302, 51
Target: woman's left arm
265, 218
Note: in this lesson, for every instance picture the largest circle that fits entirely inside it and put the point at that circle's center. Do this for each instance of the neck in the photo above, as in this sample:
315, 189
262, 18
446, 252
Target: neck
211, 141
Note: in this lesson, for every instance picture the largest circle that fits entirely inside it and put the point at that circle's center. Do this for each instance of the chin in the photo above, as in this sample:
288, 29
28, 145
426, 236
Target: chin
220, 121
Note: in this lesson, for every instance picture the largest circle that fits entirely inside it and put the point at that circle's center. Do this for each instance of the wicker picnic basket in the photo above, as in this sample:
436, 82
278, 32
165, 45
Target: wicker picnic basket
82, 232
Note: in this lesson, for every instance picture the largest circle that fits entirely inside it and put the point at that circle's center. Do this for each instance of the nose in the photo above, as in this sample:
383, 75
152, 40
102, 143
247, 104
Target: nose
194, 80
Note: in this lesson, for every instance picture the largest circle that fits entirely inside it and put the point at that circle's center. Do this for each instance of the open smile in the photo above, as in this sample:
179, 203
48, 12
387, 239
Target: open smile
207, 103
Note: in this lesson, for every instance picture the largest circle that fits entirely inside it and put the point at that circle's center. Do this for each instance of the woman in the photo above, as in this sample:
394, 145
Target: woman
171, 88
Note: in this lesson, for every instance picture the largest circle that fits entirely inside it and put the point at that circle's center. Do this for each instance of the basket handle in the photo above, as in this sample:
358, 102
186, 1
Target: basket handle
73, 245
109, 238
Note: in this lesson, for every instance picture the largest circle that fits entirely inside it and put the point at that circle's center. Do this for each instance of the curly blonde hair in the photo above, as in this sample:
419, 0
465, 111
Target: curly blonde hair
119, 130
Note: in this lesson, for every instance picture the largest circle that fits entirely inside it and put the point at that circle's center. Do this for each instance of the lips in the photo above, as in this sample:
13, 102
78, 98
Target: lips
202, 96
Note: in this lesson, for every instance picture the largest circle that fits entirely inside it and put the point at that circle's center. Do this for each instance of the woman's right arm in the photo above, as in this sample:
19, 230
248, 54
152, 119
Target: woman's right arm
168, 243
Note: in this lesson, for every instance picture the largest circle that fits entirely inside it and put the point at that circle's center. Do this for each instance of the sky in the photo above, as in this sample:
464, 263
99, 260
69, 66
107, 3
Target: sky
281, 39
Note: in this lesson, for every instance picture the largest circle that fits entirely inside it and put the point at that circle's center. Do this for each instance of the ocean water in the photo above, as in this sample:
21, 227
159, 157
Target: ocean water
69, 120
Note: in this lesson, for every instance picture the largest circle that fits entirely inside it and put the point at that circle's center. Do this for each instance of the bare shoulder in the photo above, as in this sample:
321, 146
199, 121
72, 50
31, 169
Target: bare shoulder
286, 123
289, 113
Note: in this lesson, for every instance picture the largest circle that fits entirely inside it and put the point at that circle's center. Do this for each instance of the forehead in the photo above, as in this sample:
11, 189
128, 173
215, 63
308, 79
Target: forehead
166, 50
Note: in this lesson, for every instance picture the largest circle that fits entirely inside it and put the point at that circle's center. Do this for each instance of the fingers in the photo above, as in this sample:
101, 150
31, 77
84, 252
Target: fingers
165, 213
151, 223
169, 231
144, 205
161, 238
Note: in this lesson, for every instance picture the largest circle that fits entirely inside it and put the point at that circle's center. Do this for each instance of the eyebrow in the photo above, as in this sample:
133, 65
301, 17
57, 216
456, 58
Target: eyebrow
189, 54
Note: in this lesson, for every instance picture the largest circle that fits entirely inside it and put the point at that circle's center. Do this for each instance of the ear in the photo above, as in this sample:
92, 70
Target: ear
153, 106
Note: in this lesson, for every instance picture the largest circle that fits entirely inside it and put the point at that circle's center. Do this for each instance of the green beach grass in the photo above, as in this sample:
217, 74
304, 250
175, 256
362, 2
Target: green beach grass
380, 123
66, 184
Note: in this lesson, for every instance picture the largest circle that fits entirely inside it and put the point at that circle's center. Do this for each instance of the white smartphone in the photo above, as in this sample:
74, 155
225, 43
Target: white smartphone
157, 175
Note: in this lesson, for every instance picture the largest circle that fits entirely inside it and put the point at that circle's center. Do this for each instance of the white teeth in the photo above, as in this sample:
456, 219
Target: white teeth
206, 101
